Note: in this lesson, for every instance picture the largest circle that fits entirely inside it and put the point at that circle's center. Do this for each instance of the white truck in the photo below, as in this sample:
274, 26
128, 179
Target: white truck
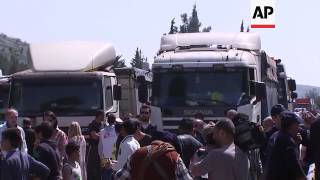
130, 78
68, 78
286, 87
208, 73
4, 95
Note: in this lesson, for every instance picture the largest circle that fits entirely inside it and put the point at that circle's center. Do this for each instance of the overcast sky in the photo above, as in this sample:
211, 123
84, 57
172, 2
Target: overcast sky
140, 23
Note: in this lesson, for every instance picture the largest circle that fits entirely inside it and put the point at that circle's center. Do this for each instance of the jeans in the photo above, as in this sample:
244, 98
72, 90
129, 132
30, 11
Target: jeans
106, 174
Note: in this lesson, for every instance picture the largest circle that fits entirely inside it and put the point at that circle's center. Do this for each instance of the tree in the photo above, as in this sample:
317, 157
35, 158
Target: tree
241, 27
138, 61
207, 29
173, 28
189, 24
119, 62
314, 94
185, 23
194, 23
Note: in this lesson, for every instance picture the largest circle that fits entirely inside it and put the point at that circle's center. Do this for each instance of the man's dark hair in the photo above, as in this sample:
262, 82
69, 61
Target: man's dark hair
72, 147
26, 122
145, 107
239, 118
277, 109
118, 126
50, 114
186, 125
111, 119
46, 129
53, 116
100, 113
227, 126
130, 126
13, 135
287, 119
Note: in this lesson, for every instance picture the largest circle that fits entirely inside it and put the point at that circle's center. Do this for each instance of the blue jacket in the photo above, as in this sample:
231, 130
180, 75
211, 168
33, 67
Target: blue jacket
18, 165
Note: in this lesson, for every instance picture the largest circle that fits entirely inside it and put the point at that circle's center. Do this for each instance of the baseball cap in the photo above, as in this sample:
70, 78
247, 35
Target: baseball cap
277, 109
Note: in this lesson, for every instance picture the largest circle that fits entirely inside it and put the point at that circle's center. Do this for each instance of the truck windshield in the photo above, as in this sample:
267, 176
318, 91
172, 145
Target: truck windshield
70, 98
199, 88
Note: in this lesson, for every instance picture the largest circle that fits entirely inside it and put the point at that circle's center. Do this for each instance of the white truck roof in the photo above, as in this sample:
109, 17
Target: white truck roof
242, 40
71, 56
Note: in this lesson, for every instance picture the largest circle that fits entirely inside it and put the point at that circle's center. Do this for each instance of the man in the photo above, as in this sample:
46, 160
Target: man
157, 161
47, 151
198, 125
106, 145
276, 111
313, 150
201, 153
16, 164
58, 135
187, 144
227, 162
93, 165
143, 138
11, 116
231, 113
147, 127
267, 124
128, 145
282, 159
30, 135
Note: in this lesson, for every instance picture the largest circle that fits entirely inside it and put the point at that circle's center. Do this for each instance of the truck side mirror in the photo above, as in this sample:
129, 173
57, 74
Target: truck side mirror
294, 95
292, 85
259, 90
142, 89
117, 92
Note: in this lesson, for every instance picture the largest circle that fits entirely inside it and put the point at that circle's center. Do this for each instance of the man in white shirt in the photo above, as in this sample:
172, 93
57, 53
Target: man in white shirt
129, 144
11, 117
107, 140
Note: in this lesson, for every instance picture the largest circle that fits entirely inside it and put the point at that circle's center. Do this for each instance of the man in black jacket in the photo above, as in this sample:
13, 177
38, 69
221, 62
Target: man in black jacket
16, 164
47, 151
282, 158
313, 150
187, 144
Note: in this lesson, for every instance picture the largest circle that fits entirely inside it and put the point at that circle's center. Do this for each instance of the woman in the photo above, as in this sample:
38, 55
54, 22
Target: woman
75, 135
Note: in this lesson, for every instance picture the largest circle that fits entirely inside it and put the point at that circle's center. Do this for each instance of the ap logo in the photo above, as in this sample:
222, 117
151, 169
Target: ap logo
263, 14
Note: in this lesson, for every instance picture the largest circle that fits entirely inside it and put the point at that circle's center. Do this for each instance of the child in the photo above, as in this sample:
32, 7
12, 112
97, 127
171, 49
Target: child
71, 169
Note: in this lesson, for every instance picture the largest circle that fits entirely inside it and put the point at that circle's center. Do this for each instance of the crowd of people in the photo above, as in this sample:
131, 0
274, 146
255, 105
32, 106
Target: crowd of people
283, 148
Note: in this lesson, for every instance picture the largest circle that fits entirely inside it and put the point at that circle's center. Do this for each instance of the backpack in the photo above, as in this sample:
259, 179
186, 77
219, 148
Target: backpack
157, 150
248, 135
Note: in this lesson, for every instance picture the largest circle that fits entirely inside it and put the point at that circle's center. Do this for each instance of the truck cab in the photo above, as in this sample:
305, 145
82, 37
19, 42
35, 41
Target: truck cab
209, 73
66, 78
130, 80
